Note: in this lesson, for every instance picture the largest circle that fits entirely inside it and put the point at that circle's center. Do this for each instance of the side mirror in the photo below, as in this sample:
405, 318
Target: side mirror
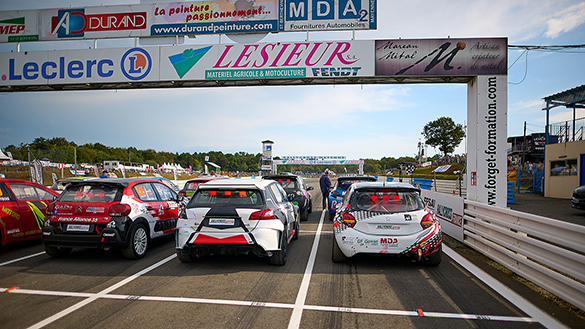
310, 188
335, 194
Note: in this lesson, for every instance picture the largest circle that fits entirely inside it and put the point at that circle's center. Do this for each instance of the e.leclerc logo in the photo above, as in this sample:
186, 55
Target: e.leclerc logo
136, 64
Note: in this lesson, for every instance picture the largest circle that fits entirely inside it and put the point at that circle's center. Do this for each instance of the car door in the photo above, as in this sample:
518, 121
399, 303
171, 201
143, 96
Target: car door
169, 208
32, 203
284, 206
9, 216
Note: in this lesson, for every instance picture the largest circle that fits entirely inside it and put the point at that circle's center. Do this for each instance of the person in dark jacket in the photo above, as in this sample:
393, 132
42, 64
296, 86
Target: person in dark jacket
325, 184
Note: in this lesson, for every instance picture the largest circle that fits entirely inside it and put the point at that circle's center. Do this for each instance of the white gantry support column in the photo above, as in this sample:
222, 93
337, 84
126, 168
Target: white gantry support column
487, 115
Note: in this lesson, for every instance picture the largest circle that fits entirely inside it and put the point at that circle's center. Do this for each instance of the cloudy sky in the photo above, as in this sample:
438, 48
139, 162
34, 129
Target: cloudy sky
357, 121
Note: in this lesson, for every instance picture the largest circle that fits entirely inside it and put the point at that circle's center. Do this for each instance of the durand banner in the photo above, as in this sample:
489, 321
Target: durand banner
186, 18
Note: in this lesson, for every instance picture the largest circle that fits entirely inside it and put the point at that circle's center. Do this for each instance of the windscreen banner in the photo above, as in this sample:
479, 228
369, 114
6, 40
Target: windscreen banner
332, 59
186, 18
442, 57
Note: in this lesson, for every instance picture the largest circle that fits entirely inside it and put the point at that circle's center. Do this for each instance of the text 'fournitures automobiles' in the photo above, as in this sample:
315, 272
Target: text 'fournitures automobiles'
386, 218
108, 213
237, 216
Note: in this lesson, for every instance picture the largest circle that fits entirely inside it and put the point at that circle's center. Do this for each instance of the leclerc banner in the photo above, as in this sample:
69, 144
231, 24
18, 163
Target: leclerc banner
187, 18
442, 57
333, 59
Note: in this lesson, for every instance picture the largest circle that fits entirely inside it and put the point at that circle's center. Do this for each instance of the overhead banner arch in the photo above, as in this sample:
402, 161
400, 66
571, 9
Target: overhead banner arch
481, 63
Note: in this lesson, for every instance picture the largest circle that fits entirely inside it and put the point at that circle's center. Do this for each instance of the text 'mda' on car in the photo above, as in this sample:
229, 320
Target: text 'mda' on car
23, 206
237, 216
386, 218
108, 213
295, 187
341, 186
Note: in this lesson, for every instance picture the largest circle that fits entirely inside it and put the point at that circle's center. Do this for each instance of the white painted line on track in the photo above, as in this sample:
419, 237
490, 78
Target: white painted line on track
518, 301
94, 297
419, 313
22, 258
297, 313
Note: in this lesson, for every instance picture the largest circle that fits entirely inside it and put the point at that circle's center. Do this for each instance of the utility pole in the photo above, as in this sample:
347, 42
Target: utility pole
524, 146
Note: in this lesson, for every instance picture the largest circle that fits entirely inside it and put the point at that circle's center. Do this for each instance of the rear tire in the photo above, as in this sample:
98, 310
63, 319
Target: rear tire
435, 258
279, 257
57, 252
336, 255
305, 214
331, 215
185, 258
138, 243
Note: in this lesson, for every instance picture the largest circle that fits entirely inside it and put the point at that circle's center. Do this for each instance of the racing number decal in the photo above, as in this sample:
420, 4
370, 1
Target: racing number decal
39, 215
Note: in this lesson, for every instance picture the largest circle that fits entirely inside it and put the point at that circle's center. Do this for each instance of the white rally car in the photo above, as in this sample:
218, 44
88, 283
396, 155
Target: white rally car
237, 216
386, 218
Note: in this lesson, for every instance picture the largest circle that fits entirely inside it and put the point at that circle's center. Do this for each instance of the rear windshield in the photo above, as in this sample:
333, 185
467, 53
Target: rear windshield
90, 193
287, 183
231, 197
386, 201
191, 185
345, 184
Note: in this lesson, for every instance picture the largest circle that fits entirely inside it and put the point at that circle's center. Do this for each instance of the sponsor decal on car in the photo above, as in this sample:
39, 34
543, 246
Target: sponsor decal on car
347, 240
10, 212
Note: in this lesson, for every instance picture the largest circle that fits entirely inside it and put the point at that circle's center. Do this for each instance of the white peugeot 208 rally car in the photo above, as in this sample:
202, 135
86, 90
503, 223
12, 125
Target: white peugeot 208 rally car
237, 216
386, 218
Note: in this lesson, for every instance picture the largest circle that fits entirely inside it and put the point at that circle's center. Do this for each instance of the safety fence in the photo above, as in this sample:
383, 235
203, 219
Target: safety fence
453, 187
548, 252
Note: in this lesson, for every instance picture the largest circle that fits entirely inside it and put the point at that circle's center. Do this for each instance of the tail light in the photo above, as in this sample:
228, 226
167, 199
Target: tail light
51, 208
427, 221
263, 214
347, 219
119, 210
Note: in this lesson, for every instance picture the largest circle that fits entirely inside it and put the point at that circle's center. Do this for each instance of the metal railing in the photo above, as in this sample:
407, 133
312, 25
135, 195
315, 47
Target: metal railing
548, 252
568, 131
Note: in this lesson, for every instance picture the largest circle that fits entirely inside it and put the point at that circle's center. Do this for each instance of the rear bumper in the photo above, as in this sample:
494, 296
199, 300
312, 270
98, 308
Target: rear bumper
260, 243
109, 238
352, 242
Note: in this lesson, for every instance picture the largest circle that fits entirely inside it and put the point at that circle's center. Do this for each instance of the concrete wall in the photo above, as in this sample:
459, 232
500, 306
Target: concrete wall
562, 186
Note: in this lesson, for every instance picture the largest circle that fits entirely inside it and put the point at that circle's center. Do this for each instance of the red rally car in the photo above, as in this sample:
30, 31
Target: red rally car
23, 206
107, 213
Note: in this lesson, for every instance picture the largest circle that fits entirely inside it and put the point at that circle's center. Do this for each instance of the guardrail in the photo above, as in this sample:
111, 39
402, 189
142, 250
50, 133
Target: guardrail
548, 252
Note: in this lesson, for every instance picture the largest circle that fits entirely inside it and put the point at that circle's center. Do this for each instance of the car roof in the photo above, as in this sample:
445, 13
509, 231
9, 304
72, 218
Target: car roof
238, 183
288, 176
365, 178
117, 181
205, 178
362, 185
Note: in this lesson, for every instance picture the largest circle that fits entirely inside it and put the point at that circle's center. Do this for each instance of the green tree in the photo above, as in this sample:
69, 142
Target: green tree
444, 134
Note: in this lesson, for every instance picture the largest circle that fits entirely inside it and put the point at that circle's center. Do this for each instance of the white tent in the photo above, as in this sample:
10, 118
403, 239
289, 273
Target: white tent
4, 157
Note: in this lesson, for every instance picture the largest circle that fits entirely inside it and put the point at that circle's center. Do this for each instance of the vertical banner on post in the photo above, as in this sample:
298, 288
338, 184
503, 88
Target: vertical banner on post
487, 113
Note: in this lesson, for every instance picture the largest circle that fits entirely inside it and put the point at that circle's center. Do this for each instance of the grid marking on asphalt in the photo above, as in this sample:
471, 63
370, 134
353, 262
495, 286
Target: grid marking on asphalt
536, 315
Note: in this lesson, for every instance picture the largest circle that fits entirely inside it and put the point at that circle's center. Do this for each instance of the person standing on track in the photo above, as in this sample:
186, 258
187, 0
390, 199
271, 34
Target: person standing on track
325, 184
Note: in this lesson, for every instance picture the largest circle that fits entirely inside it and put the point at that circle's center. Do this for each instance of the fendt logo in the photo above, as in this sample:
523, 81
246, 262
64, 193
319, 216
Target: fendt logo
73, 23
136, 64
